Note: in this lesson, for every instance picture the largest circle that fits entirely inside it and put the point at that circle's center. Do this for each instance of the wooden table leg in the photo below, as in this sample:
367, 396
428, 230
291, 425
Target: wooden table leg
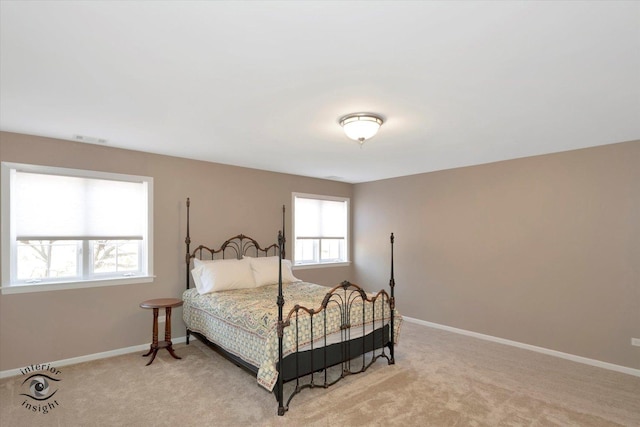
167, 334
154, 343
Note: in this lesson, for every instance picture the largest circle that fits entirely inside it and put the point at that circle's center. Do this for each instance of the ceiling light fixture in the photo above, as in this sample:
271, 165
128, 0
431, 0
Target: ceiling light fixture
361, 126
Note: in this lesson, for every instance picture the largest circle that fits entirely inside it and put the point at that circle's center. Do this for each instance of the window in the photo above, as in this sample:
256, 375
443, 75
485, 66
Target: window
67, 228
321, 229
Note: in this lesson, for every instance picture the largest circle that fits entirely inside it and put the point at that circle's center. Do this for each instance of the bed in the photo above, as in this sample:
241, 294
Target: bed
246, 303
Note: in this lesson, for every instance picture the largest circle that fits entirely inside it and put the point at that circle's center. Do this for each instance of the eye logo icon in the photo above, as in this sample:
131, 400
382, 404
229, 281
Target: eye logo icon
39, 387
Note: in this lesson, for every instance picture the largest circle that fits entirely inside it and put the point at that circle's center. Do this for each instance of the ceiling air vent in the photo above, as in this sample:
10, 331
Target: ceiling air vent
89, 139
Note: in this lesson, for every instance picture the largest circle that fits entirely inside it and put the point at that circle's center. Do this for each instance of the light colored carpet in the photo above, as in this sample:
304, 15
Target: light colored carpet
439, 379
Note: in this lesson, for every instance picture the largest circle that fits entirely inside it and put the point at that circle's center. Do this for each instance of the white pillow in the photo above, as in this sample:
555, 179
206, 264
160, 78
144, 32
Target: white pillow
199, 262
196, 272
222, 275
265, 270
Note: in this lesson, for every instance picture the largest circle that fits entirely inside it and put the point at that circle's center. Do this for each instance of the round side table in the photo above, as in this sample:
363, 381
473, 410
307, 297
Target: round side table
156, 304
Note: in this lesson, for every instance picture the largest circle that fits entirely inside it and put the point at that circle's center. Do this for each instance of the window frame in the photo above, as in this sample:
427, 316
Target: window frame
10, 284
347, 237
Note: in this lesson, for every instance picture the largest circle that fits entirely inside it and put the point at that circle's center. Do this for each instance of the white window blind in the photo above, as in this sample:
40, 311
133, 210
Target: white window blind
76, 208
320, 218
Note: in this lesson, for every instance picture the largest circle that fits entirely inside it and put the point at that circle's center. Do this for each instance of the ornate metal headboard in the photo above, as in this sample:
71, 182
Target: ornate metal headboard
234, 247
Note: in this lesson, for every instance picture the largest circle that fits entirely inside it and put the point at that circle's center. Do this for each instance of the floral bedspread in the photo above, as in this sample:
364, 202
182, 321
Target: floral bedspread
244, 321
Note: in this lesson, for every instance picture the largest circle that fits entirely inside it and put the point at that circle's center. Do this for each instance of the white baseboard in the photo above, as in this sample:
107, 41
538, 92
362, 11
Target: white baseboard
95, 356
572, 357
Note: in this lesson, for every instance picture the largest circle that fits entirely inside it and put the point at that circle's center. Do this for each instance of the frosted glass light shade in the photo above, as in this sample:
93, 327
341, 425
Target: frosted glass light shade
361, 126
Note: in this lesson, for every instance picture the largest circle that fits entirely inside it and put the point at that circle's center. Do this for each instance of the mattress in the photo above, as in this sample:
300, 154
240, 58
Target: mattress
244, 322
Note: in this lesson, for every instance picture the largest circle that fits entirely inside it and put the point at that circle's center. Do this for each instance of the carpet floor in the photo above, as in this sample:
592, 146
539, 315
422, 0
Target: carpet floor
439, 379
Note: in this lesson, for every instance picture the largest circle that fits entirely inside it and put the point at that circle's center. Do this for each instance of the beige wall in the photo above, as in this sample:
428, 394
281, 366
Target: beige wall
226, 200
542, 250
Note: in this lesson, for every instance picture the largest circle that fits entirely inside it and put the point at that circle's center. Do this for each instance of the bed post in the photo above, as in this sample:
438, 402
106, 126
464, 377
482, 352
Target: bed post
284, 239
280, 385
392, 302
187, 258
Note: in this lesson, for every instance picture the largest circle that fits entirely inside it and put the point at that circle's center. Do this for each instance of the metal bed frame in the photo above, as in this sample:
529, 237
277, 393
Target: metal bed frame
313, 361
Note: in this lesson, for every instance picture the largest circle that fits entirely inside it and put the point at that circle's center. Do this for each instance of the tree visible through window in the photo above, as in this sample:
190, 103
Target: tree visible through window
67, 225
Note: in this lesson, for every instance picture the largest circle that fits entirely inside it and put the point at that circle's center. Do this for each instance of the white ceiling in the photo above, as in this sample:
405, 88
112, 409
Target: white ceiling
263, 84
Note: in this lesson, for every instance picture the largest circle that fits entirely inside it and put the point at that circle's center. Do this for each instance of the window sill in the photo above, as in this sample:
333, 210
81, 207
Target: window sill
45, 287
325, 265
